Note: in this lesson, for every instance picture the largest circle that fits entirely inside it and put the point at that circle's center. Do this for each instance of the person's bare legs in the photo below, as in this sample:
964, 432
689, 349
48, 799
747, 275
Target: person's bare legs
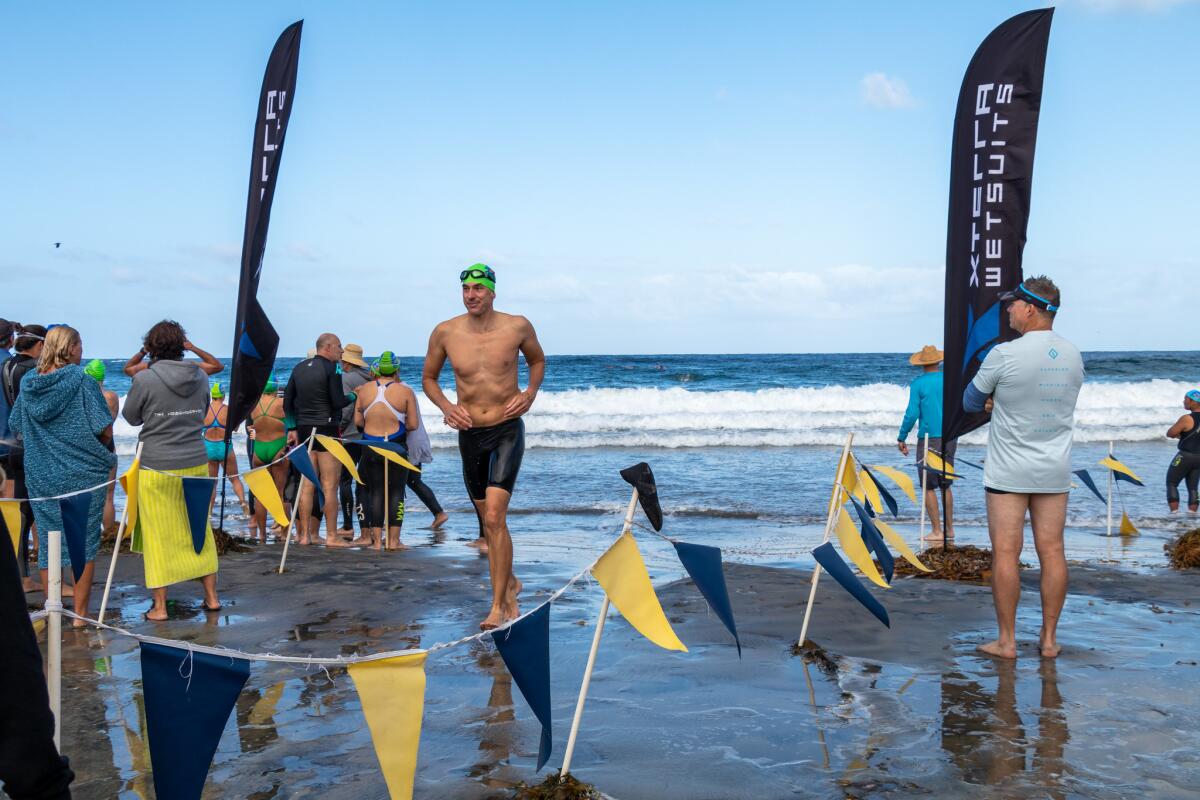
304, 512
158, 609
231, 470
110, 510
1006, 528
480, 543
505, 586
83, 592
209, 583
279, 473
1048, 516
329, 469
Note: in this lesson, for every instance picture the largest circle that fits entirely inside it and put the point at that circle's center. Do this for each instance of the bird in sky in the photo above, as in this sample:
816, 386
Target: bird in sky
57, 245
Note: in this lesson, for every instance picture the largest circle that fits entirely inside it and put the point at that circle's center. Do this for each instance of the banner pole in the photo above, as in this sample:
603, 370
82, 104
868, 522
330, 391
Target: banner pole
1108, 532
112, 565
834, 503
287, 539
591, 662
924, 460
54, 609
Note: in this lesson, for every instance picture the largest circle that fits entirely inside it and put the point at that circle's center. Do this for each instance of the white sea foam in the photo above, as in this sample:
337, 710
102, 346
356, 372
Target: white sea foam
676, 417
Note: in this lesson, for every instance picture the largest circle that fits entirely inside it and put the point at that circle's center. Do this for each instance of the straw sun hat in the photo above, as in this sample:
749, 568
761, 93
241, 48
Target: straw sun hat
353, 354
928, 355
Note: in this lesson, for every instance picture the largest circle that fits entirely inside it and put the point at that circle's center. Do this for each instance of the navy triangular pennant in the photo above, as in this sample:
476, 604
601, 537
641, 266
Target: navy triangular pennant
703, 564
75, 520
640, 477
1086, 477
197, 495
1121, 476
525, 648
828, 558
303, 464
189, 697
883, 493
873, 539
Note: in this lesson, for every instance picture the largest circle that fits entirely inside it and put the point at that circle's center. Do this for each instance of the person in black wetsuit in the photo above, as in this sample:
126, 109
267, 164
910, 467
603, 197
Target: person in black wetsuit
313, 402
1186, 464
29, 341
484, 346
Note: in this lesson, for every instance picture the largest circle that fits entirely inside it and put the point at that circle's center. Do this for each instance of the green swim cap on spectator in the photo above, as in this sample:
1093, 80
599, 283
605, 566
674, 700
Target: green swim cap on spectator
216, 392
95, 370
386, 364
271, 387
482, 274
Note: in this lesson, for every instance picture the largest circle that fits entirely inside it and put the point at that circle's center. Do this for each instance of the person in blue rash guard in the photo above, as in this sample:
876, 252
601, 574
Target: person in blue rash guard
925, 411
1030, 385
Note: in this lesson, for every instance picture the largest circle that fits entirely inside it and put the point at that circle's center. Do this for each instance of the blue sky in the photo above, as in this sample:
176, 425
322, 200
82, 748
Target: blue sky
644, 177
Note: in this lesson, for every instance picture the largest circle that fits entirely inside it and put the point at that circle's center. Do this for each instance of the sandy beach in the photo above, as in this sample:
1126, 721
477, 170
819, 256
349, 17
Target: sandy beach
907, 712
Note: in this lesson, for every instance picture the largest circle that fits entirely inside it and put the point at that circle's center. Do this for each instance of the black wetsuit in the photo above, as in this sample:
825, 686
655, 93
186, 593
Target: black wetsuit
1186, 466
314, 399
491, 456
371, 466
11, 373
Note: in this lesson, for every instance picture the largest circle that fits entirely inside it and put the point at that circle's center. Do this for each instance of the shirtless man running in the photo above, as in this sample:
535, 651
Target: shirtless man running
482, 345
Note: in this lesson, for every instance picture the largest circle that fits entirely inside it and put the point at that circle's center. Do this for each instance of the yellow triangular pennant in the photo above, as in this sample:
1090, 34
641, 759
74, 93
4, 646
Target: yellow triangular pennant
266, 492
1127, 527
871, 490
855, 550
935, 462
899, 478
848, 480
623, 575
896, 541
396, 458
1117, 466
335, 449
392, 694
11, 511
129, 482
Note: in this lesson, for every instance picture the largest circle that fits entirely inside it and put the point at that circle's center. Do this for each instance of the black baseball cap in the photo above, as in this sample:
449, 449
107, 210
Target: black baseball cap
1021, 293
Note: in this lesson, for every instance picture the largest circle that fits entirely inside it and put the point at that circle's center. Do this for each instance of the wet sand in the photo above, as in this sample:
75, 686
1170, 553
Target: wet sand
907, 712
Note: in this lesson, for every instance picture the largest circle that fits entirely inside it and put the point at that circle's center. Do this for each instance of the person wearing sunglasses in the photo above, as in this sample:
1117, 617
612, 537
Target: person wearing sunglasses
1186, 463
1030, 385
483, 346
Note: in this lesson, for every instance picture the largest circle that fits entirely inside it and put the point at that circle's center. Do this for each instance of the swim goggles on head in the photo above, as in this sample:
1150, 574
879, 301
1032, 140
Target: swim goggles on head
1021, 293
1193, 395
479, 273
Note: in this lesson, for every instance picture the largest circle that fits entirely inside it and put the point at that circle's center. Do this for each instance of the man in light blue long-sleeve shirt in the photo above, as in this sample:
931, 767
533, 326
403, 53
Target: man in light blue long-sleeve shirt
925, 411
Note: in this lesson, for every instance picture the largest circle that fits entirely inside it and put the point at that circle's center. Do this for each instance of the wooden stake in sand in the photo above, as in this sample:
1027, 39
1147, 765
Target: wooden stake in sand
835, 503
54, 609
296, 508
591, 662
112, 564
1110, 492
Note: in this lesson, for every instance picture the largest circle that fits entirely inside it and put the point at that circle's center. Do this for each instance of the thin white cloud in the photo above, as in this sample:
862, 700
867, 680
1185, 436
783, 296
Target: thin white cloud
883, 91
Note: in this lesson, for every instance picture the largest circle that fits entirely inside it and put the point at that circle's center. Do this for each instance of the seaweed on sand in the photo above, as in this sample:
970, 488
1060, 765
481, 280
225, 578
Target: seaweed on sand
967, 563
557, 787
230, 544
1184, 552
813, 653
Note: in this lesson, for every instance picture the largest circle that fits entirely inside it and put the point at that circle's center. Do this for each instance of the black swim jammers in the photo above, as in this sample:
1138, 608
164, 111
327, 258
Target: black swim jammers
492, 456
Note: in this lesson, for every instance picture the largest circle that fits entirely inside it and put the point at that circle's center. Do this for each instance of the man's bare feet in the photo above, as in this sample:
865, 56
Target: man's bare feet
302, 540
440, 520
998, 650
156, 615
1049, 648
481, 545
334, 541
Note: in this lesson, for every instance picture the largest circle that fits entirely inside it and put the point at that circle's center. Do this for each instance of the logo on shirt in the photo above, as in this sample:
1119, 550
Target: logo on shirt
1053, 353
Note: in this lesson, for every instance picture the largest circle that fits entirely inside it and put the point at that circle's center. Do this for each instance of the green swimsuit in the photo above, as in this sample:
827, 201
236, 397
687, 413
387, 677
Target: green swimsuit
265, 450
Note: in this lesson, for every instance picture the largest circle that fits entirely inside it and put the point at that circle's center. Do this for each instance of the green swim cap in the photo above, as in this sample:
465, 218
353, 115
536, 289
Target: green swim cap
95, 370
479, 273
386, 364
216, 392
271, 387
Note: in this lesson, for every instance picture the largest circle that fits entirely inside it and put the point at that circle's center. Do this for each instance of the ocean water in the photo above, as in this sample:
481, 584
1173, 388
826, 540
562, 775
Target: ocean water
739, 440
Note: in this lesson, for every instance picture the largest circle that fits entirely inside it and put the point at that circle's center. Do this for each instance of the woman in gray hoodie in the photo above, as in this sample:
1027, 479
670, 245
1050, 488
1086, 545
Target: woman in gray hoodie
63, 421
168, 399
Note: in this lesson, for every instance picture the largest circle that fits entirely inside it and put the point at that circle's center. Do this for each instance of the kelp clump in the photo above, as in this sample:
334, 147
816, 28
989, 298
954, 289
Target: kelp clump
968, 563
558, 787
813, 653
1184, 552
